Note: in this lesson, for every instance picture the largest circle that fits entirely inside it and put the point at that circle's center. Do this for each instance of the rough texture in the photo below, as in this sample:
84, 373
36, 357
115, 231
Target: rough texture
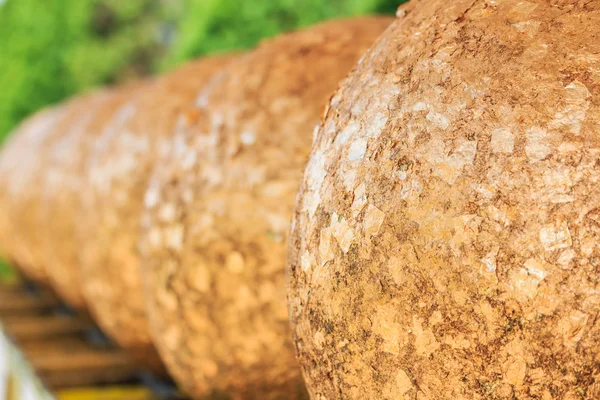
64, 190
11, 148
28, 212
21, 163
7, 157
218, 213
446, 241
118, 172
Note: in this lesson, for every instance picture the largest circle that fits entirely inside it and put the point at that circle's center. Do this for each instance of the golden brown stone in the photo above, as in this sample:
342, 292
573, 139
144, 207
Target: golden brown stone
218, 213
20, 165
29, 223
446, 239
64, 189
119, 170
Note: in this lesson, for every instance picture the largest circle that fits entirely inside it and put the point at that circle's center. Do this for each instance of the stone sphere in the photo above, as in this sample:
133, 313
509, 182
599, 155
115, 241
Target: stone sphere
28, 214
218, 213
20, 166
64, 185
118, 171
446, 238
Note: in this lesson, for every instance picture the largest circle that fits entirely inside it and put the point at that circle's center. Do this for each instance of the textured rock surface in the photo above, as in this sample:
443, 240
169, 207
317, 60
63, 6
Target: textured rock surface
64, 189
19, 166
7, 156
218, 213
446, 240
119, 170
29, 223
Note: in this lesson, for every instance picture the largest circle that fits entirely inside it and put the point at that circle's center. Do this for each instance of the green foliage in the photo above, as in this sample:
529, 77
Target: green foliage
29, 62
51, 49
7, 274
210, 26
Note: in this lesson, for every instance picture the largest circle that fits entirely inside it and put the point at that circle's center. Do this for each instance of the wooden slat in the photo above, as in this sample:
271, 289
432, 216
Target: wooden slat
63, 352
64, 367
57, 345
20, 303
80, 360
42, 327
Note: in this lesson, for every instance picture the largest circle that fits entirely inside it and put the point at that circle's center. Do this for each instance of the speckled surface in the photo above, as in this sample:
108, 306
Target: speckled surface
21, 164
218, 213
29, 222
446, 236
118, 172
64, 190
7, 155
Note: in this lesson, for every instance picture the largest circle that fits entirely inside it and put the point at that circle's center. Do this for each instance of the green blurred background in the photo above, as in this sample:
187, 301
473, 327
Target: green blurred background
52, 49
